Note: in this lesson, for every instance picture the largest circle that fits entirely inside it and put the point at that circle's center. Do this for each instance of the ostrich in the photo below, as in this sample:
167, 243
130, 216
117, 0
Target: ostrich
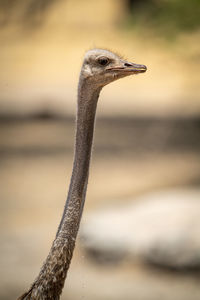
100, 67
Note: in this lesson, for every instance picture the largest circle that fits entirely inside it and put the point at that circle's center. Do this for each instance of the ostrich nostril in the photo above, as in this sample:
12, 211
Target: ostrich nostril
128, 65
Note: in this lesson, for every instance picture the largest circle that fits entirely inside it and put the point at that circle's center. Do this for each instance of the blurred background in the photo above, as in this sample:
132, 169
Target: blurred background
139, 237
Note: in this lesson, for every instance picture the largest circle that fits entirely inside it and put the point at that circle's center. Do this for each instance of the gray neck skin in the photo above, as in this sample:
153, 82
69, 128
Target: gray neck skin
87, 103
50, 281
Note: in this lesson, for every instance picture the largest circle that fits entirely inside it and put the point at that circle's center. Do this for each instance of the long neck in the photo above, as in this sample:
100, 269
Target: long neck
87, 102
50, 281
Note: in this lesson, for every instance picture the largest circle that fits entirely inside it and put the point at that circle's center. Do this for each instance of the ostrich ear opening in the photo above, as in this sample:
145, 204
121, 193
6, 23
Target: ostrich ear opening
87, 72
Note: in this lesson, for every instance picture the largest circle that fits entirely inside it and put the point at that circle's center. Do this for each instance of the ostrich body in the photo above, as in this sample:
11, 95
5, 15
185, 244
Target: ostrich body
100, 67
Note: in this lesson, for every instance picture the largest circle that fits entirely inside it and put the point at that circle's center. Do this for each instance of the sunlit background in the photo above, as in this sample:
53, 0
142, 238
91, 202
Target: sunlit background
139, 236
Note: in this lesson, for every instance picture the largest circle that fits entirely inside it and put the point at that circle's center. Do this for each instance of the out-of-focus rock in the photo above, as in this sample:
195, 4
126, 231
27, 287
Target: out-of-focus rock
161, 228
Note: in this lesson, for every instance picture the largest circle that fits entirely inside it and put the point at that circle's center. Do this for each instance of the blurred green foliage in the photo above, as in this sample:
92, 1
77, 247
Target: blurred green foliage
166, 16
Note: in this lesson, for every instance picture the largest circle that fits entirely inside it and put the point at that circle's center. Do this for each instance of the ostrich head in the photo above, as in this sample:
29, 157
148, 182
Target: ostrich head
101, 67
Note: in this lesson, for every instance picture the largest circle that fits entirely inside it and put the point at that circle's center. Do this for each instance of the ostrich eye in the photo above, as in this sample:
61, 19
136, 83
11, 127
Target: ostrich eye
103, 61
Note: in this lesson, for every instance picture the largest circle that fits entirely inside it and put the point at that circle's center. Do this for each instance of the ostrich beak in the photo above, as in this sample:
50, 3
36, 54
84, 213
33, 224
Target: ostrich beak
128, 67
136, 68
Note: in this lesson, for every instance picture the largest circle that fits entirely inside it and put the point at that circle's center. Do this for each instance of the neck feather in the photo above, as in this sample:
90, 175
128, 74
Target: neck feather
50, 281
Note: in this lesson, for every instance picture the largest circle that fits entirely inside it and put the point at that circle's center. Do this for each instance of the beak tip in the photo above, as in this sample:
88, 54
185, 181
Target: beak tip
144, 68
